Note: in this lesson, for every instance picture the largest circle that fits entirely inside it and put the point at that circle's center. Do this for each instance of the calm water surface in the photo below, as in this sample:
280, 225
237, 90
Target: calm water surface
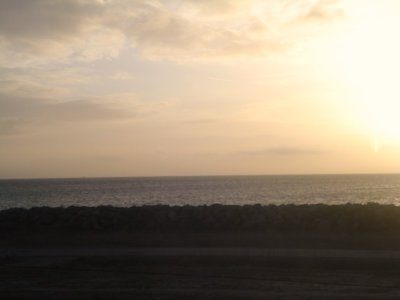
327, 189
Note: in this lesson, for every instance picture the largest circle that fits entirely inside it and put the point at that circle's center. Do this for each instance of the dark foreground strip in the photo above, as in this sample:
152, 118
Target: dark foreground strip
202, 276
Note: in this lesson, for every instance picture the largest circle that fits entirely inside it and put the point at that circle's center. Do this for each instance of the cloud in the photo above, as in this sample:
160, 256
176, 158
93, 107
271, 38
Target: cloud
43, 110
33, 97
51, 77
202, 121
160, 32
220, 79
46, 19
42, 31
215, 7
284, 151
323, 11
247, 30
122, 76
10, 126
45, 31
25, 111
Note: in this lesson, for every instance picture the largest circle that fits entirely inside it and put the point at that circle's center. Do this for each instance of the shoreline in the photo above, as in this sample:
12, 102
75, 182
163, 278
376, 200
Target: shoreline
351, 226
371, 218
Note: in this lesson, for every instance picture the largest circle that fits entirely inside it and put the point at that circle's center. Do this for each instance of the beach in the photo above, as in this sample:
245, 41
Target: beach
197, 272
162, 263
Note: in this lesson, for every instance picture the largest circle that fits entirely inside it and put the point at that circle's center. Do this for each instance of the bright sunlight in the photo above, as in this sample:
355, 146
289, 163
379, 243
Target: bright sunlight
369, 59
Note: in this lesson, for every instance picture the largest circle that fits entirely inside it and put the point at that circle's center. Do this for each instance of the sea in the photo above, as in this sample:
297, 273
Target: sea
201, 190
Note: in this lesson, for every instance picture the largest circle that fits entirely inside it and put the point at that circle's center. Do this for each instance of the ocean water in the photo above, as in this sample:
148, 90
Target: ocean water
327, 189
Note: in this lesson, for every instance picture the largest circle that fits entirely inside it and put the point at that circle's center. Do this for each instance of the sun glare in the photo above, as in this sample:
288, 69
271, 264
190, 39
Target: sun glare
368, 59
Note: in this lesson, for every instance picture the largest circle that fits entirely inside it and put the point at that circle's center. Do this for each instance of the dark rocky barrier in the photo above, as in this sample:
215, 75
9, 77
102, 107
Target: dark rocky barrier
348, 218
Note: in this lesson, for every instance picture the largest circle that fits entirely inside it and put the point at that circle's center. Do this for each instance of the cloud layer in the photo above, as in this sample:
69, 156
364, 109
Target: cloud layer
43, 41
41, 31
164, 86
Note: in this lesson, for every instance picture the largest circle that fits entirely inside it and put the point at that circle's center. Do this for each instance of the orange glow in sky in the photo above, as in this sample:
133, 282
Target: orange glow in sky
143, 88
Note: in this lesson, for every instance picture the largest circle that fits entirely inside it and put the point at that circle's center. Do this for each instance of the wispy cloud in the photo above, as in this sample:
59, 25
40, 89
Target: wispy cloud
11, 126
323, 11
122, 76
29, 111
284, 151
220, 79
202, 121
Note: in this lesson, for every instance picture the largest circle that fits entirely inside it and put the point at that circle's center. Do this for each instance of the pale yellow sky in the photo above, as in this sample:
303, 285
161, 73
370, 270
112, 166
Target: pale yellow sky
217, 87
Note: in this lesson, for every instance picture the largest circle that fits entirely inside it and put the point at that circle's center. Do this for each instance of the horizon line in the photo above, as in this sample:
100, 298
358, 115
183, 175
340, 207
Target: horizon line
216, 175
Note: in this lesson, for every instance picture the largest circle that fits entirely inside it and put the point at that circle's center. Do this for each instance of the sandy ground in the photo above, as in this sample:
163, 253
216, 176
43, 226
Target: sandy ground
248, 253
82, 253
197, 273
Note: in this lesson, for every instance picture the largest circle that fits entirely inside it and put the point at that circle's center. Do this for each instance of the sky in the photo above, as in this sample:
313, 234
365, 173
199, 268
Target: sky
216, 87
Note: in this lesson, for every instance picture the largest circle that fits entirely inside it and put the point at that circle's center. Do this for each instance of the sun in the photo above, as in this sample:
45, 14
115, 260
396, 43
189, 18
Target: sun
368, 55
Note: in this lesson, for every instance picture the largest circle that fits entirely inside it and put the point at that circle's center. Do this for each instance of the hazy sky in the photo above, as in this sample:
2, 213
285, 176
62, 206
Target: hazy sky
142, 88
